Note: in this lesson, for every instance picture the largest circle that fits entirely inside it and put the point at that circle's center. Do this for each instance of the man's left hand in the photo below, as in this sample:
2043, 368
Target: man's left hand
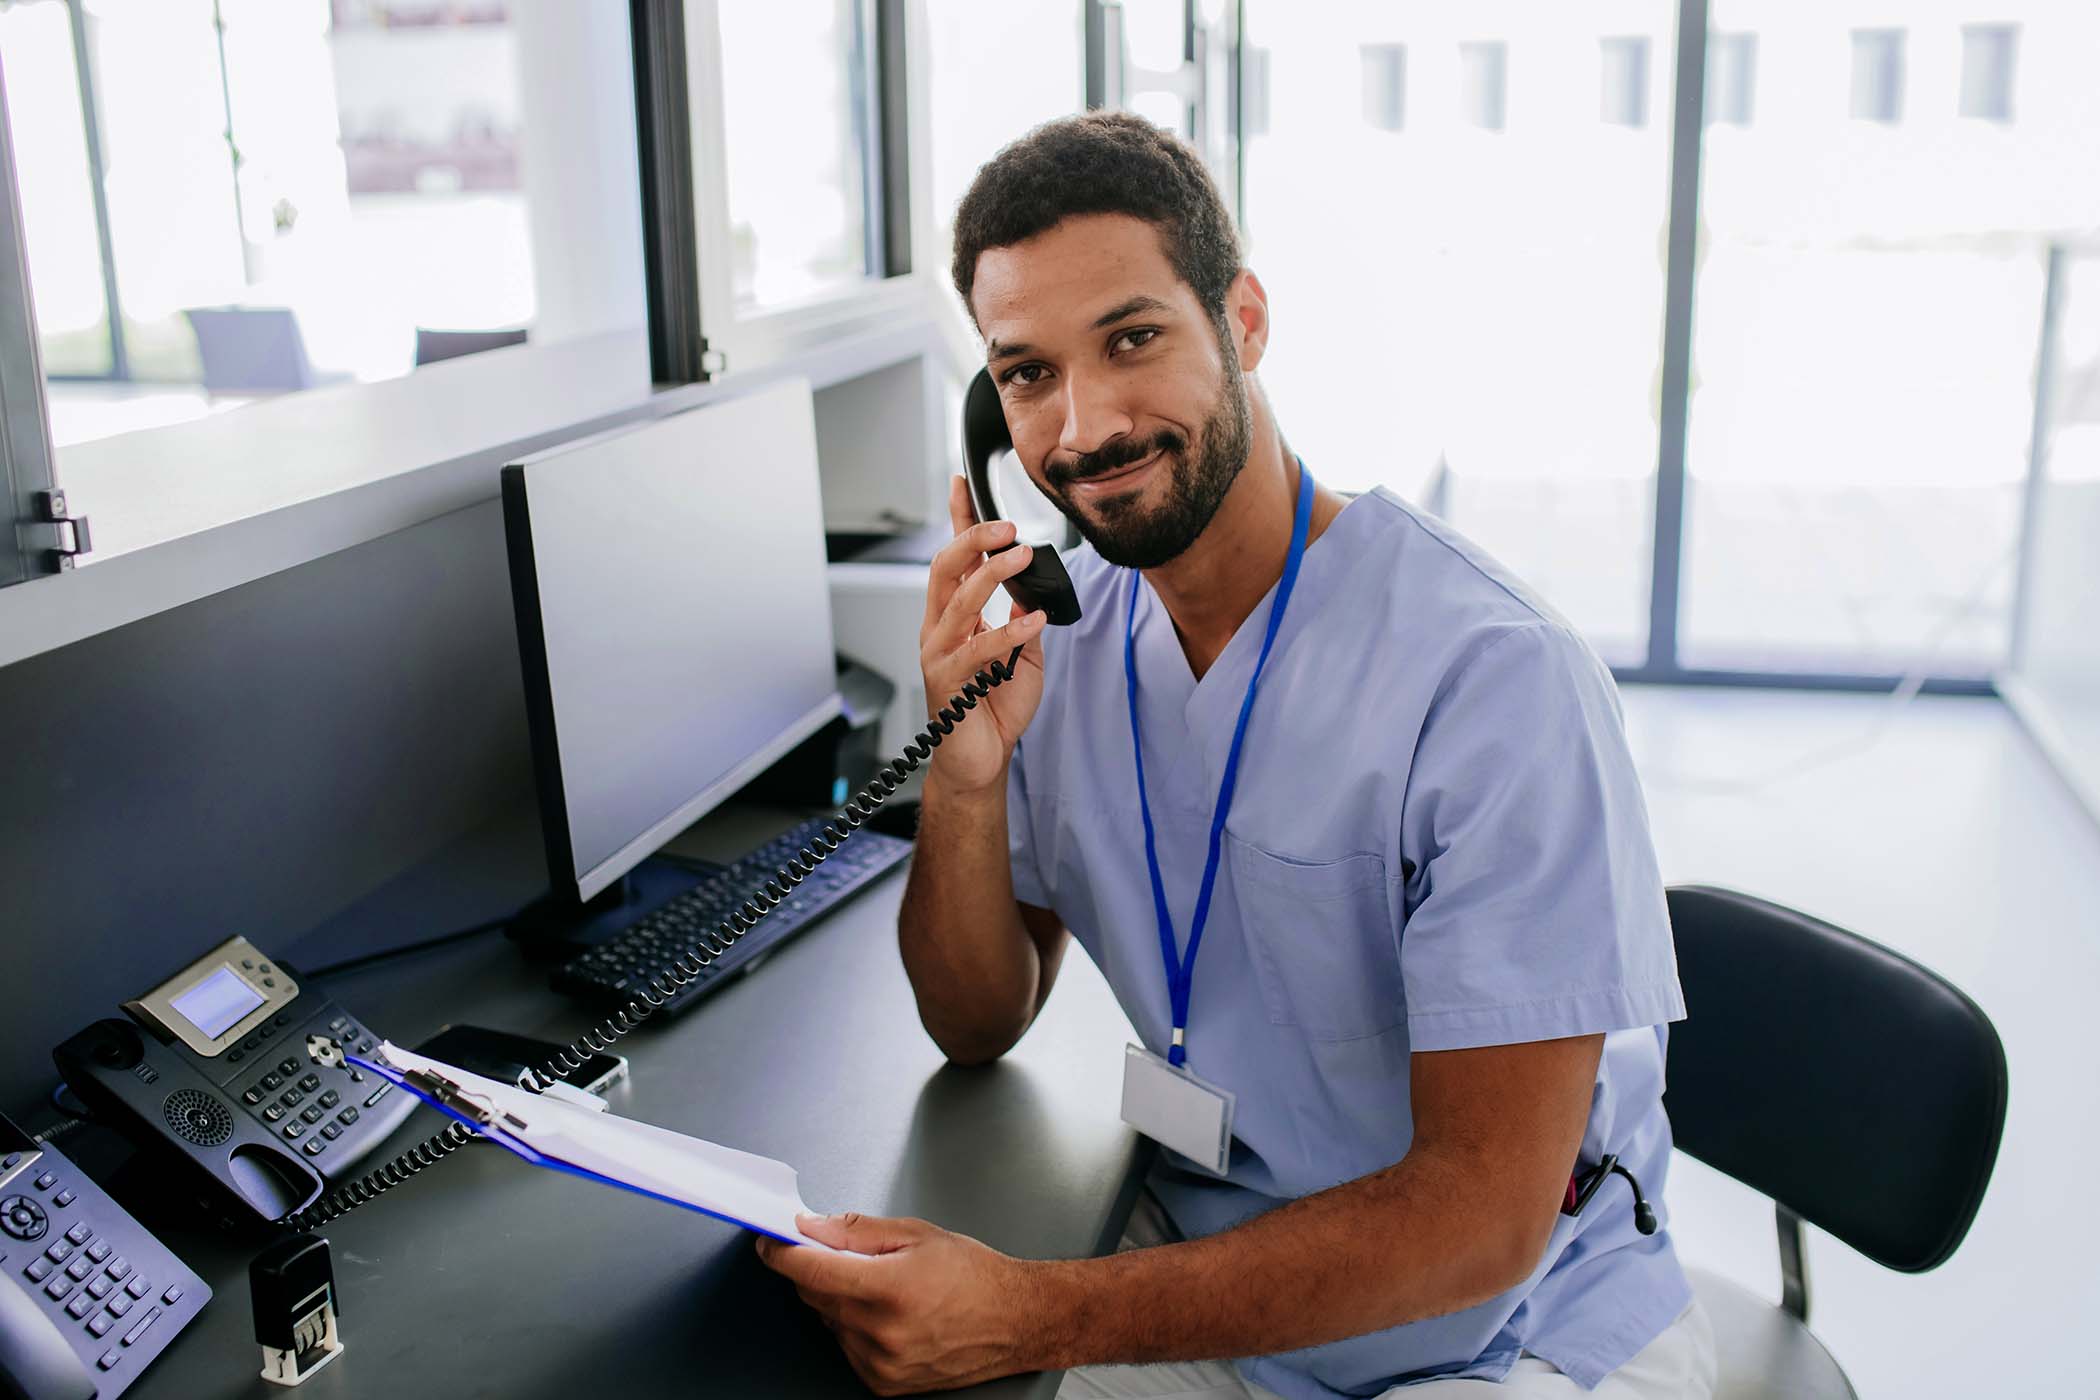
914, 1307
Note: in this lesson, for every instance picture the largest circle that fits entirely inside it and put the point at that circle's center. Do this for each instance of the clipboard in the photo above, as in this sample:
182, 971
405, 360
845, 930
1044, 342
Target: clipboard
757, 1193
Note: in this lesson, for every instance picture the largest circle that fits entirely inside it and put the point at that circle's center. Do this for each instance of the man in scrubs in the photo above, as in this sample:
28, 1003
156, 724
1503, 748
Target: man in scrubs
1345, 816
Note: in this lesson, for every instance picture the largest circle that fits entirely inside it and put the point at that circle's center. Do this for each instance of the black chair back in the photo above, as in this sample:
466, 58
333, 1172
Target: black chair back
1854, 1087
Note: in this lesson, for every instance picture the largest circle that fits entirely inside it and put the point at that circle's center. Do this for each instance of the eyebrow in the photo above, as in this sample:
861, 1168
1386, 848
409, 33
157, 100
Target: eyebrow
1135, 306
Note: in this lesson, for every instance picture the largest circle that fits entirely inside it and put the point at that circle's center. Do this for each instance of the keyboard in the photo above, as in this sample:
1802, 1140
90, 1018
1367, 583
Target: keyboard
615, 972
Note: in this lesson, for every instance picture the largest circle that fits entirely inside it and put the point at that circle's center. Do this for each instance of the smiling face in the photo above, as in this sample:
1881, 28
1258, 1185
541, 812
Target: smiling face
1127, 402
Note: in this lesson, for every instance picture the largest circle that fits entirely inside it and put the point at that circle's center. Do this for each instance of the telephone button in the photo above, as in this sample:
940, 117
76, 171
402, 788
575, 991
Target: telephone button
310, 1083
39, 1269
267, 1030
377, 1094
292, 1098
118, 1305
288, 1068
331, 1099
79, 1269
109, 1359
10, 1162
283, 1018
80, 1234
236, 1055
273, 1112
272, 1081
64, 1198
99, 1250
119, 1268
22, 1218
331, 1131
294, 1130
348, 1116
100, 1323
315, 1147
252, 1097
59, 1287
138, 1287
338, 1023
314, 1114
173, 1295
152, 1315
99, 1288
58, 1252
43, 1183
81, 1306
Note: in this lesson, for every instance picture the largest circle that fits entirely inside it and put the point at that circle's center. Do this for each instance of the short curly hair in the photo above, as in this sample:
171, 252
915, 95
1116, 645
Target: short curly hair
1102, 163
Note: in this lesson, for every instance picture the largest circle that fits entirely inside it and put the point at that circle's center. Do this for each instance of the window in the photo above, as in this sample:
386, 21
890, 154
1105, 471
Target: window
1987, 52
798, 153
1731, 78
1623, 99
1483, 84
1877, 75
1474, 323
280, 194
1385, 85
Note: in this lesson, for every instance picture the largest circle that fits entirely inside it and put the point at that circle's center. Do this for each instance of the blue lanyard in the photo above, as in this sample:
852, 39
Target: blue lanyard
1181, 967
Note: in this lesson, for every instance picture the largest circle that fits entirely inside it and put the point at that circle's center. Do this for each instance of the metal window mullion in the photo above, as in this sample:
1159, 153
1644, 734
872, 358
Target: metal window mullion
891, 162
27, 466
91, 136
670, 222
1666, 578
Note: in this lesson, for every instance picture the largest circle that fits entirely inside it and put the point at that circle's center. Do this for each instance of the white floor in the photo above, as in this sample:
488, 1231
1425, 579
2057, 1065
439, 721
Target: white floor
1939, 830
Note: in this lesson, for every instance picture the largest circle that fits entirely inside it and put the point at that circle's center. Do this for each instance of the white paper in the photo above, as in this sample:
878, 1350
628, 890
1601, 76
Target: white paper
740, 1186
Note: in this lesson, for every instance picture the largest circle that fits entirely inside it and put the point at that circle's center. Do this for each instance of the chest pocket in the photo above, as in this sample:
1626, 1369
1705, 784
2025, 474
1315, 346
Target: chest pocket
1320, 936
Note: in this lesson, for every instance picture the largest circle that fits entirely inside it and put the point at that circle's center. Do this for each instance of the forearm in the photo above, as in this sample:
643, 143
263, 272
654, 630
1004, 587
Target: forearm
1416, 1240
974, 969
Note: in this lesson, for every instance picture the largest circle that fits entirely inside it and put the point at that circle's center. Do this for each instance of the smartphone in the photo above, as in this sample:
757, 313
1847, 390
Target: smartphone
503, 1056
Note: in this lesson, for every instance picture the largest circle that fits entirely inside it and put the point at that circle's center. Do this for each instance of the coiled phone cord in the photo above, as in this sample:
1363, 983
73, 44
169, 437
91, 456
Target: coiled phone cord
689, 965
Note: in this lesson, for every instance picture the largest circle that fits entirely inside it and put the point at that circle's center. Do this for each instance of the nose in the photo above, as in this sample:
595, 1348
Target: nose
1093, 415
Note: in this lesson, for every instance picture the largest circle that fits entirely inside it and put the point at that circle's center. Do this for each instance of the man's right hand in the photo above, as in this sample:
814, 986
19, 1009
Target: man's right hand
955, 644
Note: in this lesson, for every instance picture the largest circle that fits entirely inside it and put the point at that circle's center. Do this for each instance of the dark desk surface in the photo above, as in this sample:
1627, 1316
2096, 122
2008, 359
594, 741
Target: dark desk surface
485, 1276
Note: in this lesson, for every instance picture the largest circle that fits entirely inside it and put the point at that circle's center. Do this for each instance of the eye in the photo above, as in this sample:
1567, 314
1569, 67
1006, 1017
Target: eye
1137, 337
1023, 376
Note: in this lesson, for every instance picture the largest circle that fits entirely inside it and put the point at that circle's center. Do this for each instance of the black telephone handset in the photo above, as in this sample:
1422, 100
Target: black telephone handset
87, 1296
213, 1068
1044, 583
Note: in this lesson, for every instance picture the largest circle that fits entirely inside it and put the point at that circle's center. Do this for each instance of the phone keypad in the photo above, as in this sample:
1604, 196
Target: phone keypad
293, 1096
80, 1272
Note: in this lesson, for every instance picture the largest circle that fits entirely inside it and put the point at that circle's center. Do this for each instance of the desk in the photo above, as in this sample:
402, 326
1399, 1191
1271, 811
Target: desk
487, 1277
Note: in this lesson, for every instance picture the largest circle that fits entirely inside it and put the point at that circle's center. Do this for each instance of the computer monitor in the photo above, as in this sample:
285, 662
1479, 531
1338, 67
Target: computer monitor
674, 621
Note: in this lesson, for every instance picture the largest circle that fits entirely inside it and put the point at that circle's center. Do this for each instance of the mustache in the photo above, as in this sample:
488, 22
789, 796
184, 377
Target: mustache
1114, 456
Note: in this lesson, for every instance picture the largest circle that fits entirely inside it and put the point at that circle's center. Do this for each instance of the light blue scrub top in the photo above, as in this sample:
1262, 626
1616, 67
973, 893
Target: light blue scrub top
1438, 843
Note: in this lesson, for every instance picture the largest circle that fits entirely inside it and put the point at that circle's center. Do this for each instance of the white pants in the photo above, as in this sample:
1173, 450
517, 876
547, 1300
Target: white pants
1678, 1365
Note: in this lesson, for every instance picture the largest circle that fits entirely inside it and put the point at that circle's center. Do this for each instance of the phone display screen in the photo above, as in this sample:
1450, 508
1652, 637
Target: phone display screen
216, 1004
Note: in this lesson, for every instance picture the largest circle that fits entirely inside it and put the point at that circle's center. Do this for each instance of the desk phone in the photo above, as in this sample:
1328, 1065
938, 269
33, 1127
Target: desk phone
213, 1067
87, 1296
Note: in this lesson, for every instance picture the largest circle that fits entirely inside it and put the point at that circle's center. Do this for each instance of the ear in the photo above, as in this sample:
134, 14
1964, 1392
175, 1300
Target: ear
1247, 317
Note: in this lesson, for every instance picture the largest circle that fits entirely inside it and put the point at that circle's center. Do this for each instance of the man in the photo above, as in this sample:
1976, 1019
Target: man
1435, 963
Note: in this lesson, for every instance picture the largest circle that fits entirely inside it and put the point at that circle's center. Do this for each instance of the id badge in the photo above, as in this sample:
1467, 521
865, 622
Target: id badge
1176, 1109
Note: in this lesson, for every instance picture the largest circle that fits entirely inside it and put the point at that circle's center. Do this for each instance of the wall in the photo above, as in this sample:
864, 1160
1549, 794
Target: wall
249, 763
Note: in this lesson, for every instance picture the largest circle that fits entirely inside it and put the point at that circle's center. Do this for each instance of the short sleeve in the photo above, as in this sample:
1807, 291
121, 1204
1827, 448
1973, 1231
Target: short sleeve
1029, 886
1537, 908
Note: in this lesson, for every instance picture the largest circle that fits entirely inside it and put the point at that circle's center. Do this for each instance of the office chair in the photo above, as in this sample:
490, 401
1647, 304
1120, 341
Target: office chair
253, 350
433, 346
1858, 1090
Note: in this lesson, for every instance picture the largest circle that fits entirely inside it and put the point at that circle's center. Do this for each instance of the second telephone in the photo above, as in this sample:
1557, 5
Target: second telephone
213, 1065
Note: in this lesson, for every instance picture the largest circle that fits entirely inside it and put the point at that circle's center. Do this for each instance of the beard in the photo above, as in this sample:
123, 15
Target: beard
1126, 533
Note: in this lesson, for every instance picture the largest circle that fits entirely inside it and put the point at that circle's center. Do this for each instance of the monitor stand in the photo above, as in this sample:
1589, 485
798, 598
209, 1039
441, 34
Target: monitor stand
557, 928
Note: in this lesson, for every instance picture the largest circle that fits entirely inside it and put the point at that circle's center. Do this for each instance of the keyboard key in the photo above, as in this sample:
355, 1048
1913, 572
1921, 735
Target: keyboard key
310, 1083
43, 1183
173, 1295
119, 1268
39, 1269
331, 1131
138, 1287
80, 1307
271, 1082
59, 1287
314, 1114
288, 1068
119, 1305
99, 1287
99, 1250
80, 1233
293, 1130
292, 1098
331, 1099
99, 1324
274, 1113
80, 1269
349, 1115
64, 1198
109, 1359
139, 1329
252, 1097
315, 1147
58, 1251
